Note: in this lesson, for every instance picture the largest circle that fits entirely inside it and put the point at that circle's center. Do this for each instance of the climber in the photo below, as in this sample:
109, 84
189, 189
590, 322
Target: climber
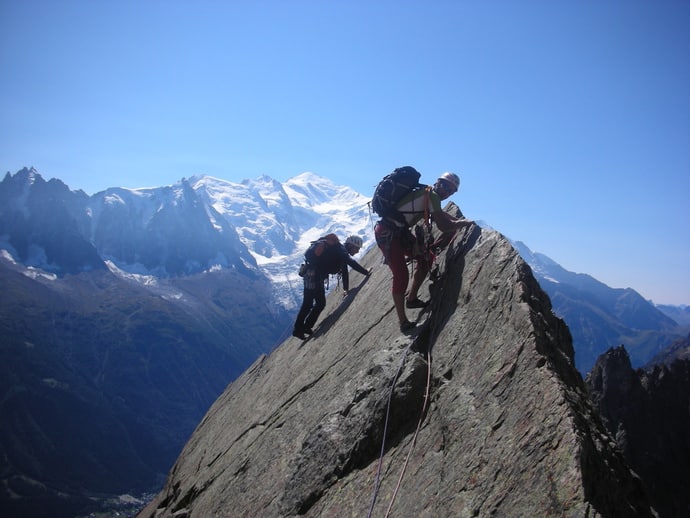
398, 244
325, 256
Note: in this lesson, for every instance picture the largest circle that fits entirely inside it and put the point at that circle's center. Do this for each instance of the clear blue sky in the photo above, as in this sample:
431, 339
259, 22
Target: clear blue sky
568, 122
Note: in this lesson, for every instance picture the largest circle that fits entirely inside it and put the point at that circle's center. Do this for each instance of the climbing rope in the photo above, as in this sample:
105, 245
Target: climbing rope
430, 247
416, 433
377, 482
385, 431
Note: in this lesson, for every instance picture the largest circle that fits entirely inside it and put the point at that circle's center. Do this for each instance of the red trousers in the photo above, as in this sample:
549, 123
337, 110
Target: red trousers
397, 246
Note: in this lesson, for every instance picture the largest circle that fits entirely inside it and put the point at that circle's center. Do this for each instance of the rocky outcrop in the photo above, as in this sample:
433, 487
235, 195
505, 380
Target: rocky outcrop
648, 412
480, 413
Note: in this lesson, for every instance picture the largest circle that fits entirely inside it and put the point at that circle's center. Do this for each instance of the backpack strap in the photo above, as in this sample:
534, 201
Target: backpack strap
427, 213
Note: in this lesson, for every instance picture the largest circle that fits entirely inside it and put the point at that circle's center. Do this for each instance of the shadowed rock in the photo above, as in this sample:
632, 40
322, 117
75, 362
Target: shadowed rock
648, 412
506, 430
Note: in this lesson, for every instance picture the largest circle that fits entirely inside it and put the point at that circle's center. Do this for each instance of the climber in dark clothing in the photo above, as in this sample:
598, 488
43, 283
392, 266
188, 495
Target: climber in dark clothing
326, 256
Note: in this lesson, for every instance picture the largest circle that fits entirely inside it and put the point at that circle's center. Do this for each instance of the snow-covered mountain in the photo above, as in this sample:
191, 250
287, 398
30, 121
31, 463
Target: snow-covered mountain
261, 228
124, 315
201, 224
276, 222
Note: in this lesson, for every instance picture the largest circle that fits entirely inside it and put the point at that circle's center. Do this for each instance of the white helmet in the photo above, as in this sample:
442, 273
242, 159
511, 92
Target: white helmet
355, 241
452, 179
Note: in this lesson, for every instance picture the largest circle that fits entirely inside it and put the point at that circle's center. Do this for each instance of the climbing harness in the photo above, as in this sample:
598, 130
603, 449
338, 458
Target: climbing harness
423, 235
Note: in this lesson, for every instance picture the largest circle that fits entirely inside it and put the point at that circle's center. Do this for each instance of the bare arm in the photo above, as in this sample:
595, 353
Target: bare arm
445, 222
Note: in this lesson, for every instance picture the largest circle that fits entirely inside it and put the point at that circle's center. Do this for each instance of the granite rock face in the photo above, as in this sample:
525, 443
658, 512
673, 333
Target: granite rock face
481, 412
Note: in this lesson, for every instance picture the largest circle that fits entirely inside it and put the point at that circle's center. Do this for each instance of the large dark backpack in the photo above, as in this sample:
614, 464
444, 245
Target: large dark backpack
393, 188
324, 254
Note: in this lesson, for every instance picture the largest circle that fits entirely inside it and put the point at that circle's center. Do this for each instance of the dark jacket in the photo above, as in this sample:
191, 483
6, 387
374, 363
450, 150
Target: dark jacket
336, 259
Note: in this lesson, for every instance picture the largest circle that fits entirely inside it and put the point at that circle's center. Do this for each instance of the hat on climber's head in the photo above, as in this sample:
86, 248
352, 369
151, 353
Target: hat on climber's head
451, 180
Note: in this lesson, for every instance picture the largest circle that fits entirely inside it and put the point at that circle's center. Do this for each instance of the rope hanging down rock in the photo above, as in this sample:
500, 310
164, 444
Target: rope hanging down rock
385, 432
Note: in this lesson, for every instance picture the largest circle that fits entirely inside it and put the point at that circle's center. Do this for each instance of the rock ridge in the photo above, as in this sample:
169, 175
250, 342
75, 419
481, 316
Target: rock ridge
480, 413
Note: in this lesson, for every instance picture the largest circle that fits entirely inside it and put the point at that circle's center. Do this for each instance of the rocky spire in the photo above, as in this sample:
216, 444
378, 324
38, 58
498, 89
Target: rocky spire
648, 412
481, 413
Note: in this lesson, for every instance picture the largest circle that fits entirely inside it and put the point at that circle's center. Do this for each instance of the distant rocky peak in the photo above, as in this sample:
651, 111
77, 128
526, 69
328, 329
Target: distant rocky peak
46, 225
27, 175
15, 188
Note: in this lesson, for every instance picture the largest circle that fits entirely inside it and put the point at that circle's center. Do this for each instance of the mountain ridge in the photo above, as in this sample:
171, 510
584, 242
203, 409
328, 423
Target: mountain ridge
601, 317
261, 227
